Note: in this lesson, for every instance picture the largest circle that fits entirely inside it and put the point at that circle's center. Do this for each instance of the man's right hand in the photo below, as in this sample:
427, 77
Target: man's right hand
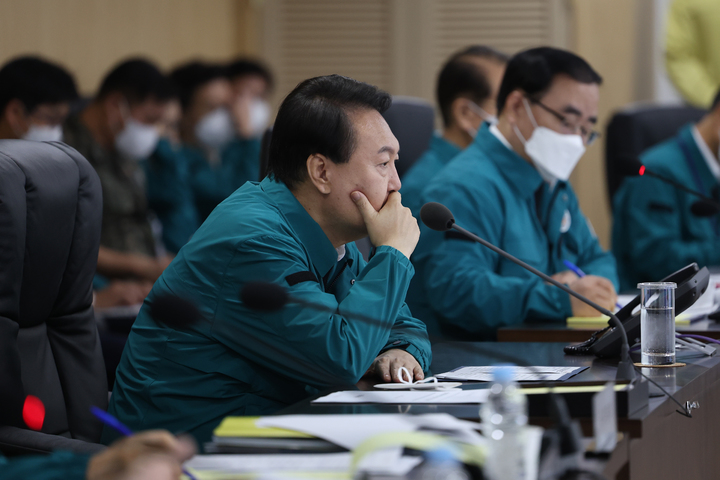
393, 225
597, 289
151, 455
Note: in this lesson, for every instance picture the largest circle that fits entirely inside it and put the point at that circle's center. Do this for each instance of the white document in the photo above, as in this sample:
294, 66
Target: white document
349, 431
388, 461
327, 462
522, 374
407, 397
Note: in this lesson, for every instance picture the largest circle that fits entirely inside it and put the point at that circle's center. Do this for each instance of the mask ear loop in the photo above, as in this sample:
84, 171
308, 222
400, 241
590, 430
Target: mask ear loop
530, 116
404, 373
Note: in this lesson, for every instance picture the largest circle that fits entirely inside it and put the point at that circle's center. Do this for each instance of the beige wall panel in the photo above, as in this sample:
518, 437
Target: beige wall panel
605, 33
89, 36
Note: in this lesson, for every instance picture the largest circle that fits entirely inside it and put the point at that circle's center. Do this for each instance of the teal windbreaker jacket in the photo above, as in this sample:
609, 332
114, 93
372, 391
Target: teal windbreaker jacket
237, 361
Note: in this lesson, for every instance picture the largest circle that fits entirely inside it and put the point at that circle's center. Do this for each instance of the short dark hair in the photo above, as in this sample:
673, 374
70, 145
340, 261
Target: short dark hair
138, 80
313, 119
245, 66
716, 100
189, 77
35, 81
460, 77
533, 71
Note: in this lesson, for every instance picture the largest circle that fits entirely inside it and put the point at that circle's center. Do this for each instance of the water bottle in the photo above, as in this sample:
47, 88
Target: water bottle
441, 464
503, 417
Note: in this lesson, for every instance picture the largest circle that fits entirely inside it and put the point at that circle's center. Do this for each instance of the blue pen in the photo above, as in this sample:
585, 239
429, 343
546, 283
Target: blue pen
113, 422
576, 270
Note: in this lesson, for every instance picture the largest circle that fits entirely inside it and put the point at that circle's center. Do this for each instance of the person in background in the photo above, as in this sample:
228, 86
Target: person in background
35, 98
333, 180
169, 189
466, 91
692, 49
114, 132
252, 84
654, 230
511, 188
151, 455
219, 159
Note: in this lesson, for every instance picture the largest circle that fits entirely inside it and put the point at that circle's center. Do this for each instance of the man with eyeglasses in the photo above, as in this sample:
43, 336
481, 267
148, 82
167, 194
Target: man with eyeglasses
510, 186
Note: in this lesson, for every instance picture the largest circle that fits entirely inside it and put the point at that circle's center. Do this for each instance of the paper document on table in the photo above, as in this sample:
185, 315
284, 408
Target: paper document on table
349, 430
407, 397
521, 374
388, 461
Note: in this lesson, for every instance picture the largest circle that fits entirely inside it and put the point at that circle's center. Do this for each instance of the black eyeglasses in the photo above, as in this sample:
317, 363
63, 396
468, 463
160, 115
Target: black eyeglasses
589, 135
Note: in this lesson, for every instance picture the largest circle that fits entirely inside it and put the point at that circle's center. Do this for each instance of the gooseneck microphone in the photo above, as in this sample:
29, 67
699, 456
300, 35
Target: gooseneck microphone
631, 166
438, 217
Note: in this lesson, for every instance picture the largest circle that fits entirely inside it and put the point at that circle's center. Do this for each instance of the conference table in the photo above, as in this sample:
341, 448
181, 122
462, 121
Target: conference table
656, 443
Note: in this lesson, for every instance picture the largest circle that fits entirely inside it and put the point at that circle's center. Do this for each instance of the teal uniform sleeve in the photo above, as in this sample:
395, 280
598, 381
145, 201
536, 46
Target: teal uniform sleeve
56, 466
460, 276
652, 227
591, 258
317, 348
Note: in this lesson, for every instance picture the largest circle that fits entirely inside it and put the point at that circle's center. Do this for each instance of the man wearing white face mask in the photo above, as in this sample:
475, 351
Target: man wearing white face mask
251, 83
466, 92
35, 98
220, 160
511, 188
114, 132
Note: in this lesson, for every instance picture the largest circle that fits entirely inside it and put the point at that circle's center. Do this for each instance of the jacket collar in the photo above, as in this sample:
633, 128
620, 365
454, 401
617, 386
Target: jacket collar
322, 253
444, 149
518, 173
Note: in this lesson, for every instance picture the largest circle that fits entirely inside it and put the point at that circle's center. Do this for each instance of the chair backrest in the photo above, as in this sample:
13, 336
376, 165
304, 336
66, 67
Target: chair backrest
50, 220
637, 128
412, 121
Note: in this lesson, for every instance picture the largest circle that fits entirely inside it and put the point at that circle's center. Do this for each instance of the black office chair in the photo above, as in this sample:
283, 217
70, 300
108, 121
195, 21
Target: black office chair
50, 219
634, 129
412, 121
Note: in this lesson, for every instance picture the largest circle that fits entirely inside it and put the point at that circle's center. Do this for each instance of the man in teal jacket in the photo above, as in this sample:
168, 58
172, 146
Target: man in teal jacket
333, 180
654, 230
510, 188
466, 94
220, 157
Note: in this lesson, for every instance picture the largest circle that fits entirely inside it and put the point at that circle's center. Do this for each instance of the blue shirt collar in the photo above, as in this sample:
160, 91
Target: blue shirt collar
322, 253
518, 173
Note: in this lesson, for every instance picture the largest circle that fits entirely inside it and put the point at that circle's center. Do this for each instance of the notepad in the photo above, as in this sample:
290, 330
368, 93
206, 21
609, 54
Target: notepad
247, 427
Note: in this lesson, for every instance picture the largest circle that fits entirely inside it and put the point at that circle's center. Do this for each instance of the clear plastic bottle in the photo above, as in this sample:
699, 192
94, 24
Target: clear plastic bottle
441, 464
503, 417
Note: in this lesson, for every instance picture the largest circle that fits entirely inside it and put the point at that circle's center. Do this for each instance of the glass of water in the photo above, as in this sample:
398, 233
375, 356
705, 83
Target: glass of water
657, 323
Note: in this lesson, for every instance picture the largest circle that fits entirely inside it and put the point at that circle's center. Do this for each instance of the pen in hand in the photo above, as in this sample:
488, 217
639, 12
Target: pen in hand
576, 270
113, 422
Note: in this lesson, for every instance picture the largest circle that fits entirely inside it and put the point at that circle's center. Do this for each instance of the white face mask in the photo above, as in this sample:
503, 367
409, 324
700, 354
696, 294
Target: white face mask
137, 140
259, 117
553, 154
215, 129
43, 133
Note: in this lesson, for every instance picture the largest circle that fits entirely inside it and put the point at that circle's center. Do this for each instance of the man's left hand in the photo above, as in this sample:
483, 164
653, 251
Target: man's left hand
387, 366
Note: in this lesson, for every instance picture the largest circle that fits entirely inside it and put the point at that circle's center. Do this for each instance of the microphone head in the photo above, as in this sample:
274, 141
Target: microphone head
630, 165
704, 208
174, 312
437, 216
264, 296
